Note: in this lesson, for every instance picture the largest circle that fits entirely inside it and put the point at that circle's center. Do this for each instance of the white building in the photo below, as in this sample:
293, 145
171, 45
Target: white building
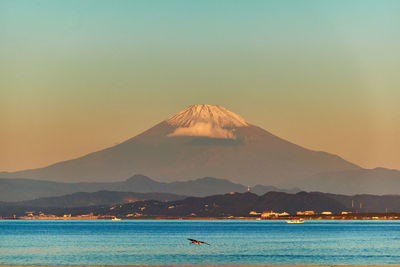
307, 212
269, 214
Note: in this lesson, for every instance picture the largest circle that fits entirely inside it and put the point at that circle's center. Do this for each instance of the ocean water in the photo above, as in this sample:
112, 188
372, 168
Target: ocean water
164, 242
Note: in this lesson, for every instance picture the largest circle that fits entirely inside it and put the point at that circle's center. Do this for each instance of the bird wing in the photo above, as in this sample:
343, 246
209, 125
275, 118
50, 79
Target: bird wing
200, 242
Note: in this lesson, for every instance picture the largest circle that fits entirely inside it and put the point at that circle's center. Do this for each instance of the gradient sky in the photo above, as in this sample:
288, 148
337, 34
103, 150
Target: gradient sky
79, 76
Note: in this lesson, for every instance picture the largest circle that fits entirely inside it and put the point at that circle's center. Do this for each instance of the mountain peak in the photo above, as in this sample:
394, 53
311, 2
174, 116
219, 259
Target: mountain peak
204, 113
206, 120
139, 178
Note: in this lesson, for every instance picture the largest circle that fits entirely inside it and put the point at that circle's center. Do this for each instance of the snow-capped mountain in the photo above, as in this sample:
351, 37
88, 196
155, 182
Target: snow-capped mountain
200, 141
206, 120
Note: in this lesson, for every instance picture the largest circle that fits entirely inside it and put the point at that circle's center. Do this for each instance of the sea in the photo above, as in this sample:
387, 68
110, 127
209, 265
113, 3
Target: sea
165, 242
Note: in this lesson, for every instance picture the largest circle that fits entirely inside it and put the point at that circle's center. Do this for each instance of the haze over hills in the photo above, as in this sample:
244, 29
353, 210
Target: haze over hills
26, 189
211, 141
99, 198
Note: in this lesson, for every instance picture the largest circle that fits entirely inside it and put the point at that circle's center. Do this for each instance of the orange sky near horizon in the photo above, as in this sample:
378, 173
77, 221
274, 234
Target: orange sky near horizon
321, 74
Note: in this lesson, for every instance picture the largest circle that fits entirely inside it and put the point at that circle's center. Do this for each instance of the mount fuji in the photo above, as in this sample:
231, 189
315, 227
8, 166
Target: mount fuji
199, 141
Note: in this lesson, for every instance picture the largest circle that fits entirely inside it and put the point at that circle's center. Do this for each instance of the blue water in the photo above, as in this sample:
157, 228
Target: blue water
163, 242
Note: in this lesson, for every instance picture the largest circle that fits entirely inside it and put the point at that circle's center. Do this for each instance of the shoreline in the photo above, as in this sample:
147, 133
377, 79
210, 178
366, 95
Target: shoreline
366, 216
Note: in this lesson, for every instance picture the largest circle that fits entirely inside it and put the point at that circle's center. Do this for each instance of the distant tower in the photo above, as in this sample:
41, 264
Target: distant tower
248, 188
352, 203
360, 205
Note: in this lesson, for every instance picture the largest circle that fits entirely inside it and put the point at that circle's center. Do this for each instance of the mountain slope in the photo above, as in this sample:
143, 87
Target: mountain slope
363, 181
200, 141
369, 203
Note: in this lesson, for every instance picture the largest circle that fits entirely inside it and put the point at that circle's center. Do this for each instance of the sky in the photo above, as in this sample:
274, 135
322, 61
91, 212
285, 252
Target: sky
80, 76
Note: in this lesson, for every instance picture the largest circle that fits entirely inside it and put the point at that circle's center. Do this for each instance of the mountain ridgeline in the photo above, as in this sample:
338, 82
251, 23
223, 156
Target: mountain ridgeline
211, 141
240, 204
236, 204
148, 205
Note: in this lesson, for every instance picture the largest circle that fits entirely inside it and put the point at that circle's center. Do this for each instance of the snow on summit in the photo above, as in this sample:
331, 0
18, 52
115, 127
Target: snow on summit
206, 120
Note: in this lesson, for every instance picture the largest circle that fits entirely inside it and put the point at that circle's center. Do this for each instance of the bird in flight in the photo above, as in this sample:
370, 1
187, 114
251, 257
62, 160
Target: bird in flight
194, 241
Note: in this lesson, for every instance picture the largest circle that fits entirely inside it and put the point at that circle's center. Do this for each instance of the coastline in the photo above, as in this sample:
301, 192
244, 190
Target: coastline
366, 216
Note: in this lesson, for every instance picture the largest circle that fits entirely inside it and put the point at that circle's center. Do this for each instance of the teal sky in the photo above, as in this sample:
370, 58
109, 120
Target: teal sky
78, 76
